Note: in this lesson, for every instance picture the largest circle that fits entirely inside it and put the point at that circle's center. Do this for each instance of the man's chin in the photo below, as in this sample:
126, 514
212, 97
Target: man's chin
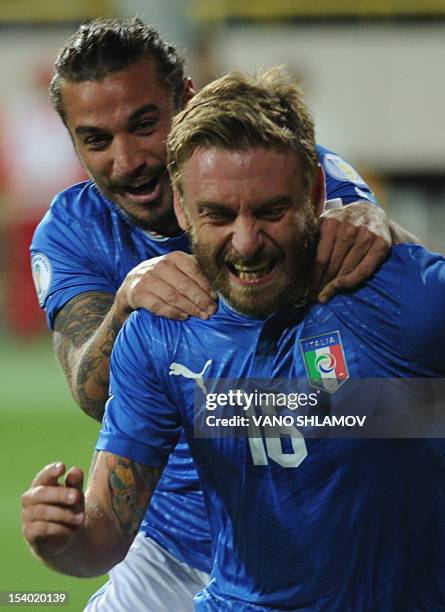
257, 300
254, 301
162, 222
154, 216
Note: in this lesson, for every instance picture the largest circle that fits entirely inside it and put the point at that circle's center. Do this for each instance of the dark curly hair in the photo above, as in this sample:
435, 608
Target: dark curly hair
103, 46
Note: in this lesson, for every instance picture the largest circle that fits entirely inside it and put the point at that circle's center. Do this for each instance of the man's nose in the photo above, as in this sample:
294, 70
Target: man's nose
128, 156
247, 237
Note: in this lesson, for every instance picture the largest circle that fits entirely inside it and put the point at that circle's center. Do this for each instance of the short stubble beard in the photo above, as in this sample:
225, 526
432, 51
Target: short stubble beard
261, 301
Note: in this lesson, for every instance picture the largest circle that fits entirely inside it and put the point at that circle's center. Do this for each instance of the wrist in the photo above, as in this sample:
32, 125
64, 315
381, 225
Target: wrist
49, 553
395, 233
121, 309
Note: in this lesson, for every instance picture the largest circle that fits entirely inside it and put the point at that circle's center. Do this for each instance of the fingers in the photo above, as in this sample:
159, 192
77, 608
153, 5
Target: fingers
37, 531
52, 512
349, 250
47, 513
171, 286
189, 266
57, 495
336, 240
74, 478
45, 490
74, 482
176, 298
323, 254
354, 240
49, 474
355, 275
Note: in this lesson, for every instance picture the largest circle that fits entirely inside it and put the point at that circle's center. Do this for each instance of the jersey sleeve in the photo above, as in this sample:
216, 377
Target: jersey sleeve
343, 182
64, 264
423, 307
141, 421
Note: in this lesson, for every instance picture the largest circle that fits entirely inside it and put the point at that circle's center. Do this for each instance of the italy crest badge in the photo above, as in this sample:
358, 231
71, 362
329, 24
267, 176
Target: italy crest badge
325, 361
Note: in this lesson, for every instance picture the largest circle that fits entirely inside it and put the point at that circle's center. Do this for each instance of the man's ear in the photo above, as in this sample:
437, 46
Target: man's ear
318, 192
179, 210
188, 91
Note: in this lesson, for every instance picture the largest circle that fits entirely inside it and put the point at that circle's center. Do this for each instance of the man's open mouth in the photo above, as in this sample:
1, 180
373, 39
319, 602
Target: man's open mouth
252, 271
144, 188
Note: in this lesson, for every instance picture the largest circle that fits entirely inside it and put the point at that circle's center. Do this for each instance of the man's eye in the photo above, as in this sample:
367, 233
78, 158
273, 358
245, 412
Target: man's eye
218, 217
146, 125
272, 214
96, 143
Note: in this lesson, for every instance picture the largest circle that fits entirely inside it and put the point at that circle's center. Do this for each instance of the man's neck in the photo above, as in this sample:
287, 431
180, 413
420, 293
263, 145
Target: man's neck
168, 228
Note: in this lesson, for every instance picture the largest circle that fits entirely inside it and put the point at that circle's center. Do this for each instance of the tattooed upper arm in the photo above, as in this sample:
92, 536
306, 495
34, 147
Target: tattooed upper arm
130, 486
81, 317
83, 352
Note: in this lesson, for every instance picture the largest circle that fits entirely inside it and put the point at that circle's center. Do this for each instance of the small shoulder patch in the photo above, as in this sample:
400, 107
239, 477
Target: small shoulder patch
42, 273
339, 169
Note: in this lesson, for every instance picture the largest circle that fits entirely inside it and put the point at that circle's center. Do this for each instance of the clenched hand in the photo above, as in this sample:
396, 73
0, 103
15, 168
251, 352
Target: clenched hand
53, 512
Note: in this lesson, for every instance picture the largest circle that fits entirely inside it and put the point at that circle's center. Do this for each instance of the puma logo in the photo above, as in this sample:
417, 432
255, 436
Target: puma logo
177, 369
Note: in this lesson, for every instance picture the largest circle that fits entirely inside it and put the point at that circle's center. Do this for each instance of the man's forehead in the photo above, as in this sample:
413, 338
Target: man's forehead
125, 90
253, 159
211, 169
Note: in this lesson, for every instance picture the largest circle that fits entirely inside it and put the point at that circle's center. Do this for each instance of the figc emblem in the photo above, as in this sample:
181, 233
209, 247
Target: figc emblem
325, 361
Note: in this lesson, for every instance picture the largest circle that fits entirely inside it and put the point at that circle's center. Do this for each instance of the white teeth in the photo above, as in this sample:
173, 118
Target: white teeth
250, 270
249, 275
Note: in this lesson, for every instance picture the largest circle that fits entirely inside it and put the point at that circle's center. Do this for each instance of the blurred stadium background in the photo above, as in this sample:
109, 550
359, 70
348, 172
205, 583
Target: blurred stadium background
373, 75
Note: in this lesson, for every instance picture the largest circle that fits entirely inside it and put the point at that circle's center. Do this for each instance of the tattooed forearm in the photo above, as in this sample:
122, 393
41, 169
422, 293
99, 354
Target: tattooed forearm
131, 486
84, 334
93, 374
82, 316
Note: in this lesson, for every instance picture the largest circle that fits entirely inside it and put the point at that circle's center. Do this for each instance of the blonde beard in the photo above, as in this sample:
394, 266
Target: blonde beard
259, 301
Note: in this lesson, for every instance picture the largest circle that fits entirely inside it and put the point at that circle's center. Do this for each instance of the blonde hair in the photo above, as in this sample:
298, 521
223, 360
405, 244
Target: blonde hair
240, 111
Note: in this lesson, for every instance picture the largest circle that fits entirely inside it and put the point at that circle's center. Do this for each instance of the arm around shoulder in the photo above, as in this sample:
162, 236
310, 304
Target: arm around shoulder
87, 326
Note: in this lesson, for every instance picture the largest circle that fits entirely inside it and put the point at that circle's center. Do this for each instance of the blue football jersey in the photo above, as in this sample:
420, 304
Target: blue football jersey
85, 243
342, 180
338, 525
